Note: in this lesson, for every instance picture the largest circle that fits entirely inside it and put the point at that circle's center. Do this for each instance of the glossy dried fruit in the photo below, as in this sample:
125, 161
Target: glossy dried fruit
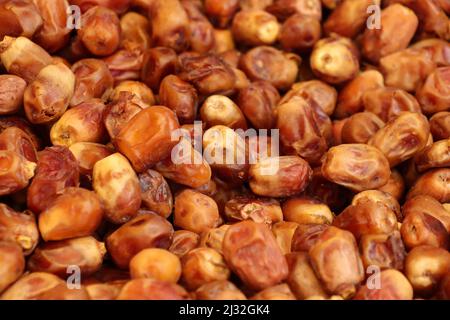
156, 193
336, 262
117, 187
253, 254
145, 231
75, 213
158, 264
56, 257
145, 146
280, 176
195, 211
358, 167
402, 137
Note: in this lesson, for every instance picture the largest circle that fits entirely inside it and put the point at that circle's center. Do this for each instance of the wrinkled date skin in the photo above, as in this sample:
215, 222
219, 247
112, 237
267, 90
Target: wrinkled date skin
440, 125
272, 65
183, 242
425, 267
145, 146
383, 250
360, 127
12, 89
208, 73
24, 125
280, 176
302, 279
367, 217
117, 186
145, 231
100, 33
253, 254
156, 193
56, 170
82, 123
434, 94
42, 286
299, 130
306, 236
356, 166
87, 155
179, 96
434, 183
17, 140
19, 227
379, 43
257, 102
195, 211
194, 172
119, 112
158, 63
283, 9
219, 290
402, 137
435, 156
23, 58
259, 210
54, 34
336, 261
394, 286
202, 266
407, 69
93, 80
48, 96
388, 102
169, 24
55, 257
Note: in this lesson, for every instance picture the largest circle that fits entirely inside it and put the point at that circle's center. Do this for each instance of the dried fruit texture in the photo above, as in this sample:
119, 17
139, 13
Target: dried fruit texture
150, 289
12, 264
389, 102
219, 290
393, 286
280, 176
22, 57
93, 80
145, 146
260, 210
379, 43
367, 217
434, 94
402, 137
253, 254
145, 231
440, 125
351, 97
434, 183
255, 27
57, 169
18, 227
356, 166
75, 213
283, 9
12, 89
299, 130
117, 186
156, 193
335, 60
42, 286
201, 266
269, 64
48, 96
385, 251
349, 17
336, 262
56, 257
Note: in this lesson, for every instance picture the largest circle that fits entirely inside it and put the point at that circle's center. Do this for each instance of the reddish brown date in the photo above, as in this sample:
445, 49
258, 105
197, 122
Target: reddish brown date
253, 254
